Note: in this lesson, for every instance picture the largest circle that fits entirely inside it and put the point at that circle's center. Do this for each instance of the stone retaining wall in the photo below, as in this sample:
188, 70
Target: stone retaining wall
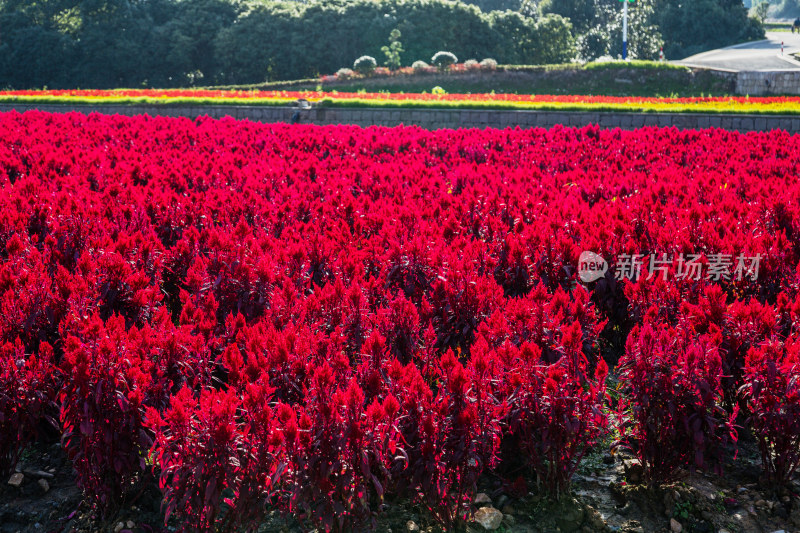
435, 118
780, 82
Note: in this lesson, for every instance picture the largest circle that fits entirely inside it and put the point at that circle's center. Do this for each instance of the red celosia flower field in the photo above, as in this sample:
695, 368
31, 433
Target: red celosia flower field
320, 319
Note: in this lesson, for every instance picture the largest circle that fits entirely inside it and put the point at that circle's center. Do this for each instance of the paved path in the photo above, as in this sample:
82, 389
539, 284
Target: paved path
758, 55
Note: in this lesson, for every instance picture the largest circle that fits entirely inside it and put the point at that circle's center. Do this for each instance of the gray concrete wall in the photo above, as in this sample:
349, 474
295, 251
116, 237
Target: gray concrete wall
758, 83
438, 118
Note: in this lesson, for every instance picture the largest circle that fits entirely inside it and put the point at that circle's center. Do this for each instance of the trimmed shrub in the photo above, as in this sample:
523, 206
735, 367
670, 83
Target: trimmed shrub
365, 65
444, 59
345, 74
419, 66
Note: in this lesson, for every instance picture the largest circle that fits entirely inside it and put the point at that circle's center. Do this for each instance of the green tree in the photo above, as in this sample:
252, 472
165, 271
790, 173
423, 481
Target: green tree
169, 43
488, 6
530, 42
644, 37
36, 43
692, 27
555, 42
787, 9
191, 33
393, 51
760, 10
581, 13
280, 53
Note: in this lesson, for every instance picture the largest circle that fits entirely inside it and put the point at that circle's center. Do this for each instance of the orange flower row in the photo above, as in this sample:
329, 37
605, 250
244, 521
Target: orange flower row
727, 104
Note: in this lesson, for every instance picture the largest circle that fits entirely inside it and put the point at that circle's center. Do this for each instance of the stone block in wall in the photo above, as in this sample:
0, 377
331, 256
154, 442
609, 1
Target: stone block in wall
469, 118
268, 115
586, 119
609, 120
279, 114
560, 118
685, 121
338, 116
545, 120
651, 120
511, 118
454, 117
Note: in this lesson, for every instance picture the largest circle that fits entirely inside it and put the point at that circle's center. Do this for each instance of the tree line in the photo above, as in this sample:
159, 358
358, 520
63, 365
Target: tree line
682, 28
180, 43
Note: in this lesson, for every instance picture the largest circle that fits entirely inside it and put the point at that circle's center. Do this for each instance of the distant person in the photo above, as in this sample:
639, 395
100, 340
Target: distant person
796, 25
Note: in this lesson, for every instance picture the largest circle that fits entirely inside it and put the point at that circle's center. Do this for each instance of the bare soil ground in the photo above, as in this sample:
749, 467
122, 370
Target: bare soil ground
607, 496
